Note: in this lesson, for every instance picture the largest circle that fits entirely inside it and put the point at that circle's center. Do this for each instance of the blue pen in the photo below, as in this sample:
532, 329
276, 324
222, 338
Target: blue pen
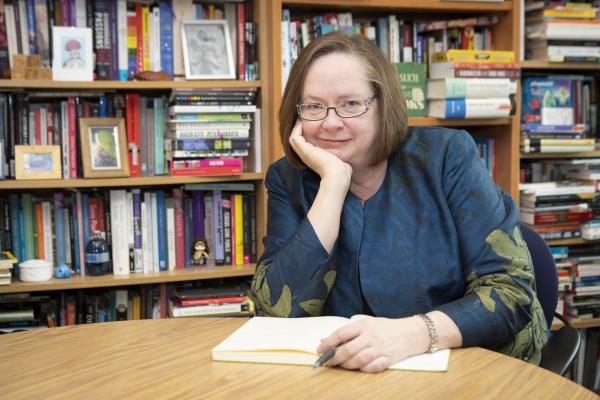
325, 357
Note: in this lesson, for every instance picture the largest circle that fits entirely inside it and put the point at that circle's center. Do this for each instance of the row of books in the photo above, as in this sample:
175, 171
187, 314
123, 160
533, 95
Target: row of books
559, 113
155, 137
146, 231
399, 40
128, 37
562, 31
209, 300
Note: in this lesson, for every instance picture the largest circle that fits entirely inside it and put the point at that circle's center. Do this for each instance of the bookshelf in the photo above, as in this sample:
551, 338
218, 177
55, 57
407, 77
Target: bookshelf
505, 131
260, 15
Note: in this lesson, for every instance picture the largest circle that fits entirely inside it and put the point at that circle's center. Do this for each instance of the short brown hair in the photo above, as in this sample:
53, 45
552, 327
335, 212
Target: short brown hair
393, 118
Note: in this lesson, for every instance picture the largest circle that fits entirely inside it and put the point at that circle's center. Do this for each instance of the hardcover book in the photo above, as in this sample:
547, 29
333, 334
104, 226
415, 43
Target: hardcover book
412, 78
295, 341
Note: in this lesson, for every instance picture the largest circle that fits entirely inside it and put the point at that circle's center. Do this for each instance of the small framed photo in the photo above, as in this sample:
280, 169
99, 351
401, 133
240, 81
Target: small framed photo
37, 162
207, 50
72, 58
104, 147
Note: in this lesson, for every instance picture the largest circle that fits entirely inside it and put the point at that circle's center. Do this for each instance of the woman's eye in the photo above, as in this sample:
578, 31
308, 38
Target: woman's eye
313, 107
352, 103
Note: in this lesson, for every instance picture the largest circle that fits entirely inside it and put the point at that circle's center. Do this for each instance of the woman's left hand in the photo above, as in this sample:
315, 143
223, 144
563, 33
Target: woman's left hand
372, 344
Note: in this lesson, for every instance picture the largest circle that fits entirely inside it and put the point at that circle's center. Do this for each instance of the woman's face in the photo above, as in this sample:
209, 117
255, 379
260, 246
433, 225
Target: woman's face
331, 80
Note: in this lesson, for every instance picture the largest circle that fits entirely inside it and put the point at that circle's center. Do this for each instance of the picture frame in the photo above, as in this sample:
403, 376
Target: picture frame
72, 54
37, 162
104, 147
207, 52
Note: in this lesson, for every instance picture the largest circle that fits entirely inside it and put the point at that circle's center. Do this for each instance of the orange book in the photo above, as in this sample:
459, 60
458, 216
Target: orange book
40, 230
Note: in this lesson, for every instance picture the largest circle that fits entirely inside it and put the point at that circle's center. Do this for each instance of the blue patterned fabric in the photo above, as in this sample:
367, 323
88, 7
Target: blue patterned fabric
437, 235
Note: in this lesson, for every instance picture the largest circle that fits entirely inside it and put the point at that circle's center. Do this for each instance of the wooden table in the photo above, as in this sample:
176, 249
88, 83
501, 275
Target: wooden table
157, 359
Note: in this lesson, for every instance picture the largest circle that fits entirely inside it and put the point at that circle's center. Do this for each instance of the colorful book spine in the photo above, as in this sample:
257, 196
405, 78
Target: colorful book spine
161, 226
166, 37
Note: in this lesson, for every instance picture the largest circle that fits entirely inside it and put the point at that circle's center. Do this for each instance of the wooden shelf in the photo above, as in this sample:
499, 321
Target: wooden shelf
454, 6
586, 154
119, 182
125, 85
577, 323
533, 65
571, 242
86, 282
428, 121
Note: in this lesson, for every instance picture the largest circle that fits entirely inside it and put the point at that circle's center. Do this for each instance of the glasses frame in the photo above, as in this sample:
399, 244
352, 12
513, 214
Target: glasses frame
367, 102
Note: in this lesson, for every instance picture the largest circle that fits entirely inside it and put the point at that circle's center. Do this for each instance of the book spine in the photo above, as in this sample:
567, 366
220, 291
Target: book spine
131, 43
161, 226
28, 225
49, 248
170, 214
166, 37
238, 225
198, 214
122, 40
179, 228
218, 221
60, 229
207, 171
137, 230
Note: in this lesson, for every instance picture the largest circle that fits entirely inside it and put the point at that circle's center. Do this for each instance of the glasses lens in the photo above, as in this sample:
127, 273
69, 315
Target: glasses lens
312, 111
351, 108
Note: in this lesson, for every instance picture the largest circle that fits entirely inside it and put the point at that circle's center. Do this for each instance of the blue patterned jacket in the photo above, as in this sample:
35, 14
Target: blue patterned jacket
437, 235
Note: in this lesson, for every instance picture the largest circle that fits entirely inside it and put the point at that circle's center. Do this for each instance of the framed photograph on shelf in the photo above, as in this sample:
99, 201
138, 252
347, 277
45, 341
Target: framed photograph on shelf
207, 50
37, 162
72, 54
103, 147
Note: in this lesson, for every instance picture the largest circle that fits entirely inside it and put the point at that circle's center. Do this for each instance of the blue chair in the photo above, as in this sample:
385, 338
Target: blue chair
563, 345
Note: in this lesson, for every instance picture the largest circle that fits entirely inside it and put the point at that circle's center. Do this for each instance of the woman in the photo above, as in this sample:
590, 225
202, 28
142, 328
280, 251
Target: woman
405, 225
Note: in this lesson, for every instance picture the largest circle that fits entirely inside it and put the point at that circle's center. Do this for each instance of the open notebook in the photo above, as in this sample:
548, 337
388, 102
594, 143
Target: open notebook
295, 341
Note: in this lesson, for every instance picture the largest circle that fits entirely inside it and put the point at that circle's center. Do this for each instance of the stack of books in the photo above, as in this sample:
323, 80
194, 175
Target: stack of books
557, 114
584, 301
228, 300
563, 269
472, 84
562, 32
212, 132
556, 210
7, 259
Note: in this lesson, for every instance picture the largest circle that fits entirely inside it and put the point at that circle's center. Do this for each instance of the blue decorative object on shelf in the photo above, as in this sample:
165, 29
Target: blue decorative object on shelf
62, 271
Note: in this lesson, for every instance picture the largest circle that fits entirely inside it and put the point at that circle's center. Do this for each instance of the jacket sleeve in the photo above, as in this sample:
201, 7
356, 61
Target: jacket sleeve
500, 303
295, 273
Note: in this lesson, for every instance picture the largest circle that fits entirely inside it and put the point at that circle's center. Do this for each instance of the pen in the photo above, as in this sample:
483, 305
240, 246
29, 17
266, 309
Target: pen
325, 357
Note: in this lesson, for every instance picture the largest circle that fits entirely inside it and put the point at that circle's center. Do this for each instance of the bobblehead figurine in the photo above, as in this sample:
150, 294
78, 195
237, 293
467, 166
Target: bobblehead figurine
200, 252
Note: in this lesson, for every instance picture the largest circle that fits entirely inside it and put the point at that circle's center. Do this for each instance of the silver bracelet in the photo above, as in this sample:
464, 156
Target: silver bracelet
433, 334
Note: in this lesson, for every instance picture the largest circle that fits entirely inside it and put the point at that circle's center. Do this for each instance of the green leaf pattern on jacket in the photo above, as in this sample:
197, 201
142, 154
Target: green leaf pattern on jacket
528, 343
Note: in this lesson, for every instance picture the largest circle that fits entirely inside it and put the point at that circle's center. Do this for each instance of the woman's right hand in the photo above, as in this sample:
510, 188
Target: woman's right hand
325, 164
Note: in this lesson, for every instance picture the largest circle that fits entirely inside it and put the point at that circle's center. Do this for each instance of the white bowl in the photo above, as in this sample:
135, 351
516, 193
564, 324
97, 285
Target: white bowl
35, 271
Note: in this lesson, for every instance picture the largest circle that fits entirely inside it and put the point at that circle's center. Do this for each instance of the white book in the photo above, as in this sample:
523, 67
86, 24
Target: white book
190, 311
212, 109
129, 208
468, 88
257, 151
171, 258
394, 39
23, 25
11, 32
156, 43
80, 14
118, 222
152, 36
469, 108
47, 229
295, 341
122, 39
559, 30
286, 55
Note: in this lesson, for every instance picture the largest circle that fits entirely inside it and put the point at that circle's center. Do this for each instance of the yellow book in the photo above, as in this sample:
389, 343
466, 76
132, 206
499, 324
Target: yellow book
495, 56
295, 341
559, 142
239, 228
570, 13
146, 37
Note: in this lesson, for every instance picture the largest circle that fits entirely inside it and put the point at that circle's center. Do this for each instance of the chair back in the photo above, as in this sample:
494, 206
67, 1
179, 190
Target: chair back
544, 268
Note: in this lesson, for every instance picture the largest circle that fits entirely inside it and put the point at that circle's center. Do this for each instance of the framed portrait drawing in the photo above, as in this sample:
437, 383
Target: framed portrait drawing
72, 54
104, 147
207, 50
37, 162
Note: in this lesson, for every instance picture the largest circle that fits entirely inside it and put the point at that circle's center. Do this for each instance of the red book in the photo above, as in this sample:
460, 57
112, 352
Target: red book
207, 171
216, 300
38, 127
241, 41
132, 118
552, 218
72, 121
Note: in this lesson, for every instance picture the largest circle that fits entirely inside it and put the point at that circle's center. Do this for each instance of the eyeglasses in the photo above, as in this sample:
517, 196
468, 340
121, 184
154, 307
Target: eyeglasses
348, 109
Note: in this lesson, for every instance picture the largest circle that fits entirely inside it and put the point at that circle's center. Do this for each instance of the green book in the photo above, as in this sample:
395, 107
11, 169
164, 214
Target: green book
412, 77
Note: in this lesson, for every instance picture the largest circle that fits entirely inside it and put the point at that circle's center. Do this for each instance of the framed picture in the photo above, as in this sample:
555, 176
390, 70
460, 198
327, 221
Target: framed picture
37, 162
72, 54
104, 147
207, 50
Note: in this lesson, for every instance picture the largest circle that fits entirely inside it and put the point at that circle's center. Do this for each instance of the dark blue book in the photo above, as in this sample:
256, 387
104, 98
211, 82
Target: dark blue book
166, 17
161, 227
